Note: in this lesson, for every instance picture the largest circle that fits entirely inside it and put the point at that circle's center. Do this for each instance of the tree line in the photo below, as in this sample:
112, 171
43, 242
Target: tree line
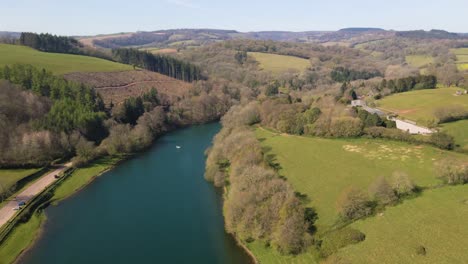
166, 65
50, 43
342, 74
74, 105
410, 83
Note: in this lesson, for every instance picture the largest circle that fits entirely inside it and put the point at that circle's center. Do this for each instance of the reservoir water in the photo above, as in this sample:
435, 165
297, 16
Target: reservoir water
154, 208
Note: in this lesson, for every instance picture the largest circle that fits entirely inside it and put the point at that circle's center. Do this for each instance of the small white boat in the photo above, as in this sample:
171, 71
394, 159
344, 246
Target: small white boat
178, 147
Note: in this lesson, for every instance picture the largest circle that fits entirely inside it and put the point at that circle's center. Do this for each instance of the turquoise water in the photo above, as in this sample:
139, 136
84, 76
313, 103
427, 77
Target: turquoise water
154, 208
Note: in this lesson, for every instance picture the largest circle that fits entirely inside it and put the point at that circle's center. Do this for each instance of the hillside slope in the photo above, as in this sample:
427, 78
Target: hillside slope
115, 87
56, 62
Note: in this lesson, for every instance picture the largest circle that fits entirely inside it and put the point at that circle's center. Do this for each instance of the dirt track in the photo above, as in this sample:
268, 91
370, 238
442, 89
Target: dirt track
7, 212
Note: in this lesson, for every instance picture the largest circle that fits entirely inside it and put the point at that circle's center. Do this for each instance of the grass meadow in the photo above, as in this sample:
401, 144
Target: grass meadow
279, 63
323, 168
462, 58
56, 62
459, 130
419, 61
420, 105
436, 220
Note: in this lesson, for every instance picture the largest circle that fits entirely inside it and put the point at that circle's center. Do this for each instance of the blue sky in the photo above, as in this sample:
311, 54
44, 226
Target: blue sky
88, 17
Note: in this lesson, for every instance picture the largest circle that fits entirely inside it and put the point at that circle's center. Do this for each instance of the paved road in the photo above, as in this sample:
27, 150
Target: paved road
7, 212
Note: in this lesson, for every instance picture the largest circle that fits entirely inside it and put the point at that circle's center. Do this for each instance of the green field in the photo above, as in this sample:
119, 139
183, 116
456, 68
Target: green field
462, 58
419, 61
323, 168
9, 177
279, 63
419, 105
436, 220
56, 62
459, 130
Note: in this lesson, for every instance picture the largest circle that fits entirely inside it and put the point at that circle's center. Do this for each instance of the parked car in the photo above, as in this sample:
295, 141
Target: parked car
21, 203
16, 208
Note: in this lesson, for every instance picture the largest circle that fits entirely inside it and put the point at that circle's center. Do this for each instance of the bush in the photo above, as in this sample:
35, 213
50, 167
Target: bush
452, 172
353, 204
421, 250
345, 127
382, 192
442, 140
451, 113
402, 184
340, 238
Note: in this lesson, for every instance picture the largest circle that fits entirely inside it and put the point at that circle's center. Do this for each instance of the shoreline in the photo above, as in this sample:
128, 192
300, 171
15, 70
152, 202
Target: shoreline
120, 159
238, 240
55, 202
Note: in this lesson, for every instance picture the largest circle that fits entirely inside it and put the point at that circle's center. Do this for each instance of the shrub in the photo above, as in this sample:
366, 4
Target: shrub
345, 127
451, 113
452, 172
402, 184
382, 192
353, 204
442, 140
421, 250
340, 238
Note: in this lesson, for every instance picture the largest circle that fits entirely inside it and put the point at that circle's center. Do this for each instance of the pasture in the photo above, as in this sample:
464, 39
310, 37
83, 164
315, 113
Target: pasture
436, 220
419, 61
459, 130
419, 105
279, 63
322, 168
462, 58
9, 177
56, 62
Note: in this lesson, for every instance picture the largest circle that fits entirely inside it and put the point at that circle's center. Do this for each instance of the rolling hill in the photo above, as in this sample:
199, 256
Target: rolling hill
56, 62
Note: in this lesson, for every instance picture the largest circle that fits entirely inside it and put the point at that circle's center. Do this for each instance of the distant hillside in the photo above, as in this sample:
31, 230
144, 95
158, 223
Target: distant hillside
360, 29
187, 38
432, 34
9, 34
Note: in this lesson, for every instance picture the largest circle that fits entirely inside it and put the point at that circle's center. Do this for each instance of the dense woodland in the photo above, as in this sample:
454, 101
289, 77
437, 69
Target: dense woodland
50, 43
166, 65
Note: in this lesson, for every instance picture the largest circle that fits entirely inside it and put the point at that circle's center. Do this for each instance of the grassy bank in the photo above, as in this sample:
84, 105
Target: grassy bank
21, 238
24, 234
56, 62
83, 176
